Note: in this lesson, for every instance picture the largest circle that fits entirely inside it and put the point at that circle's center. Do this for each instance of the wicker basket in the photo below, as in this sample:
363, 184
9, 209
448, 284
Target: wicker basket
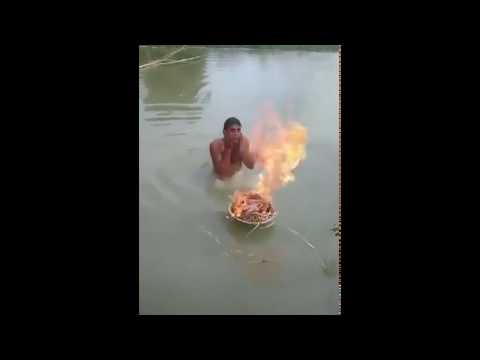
266, 222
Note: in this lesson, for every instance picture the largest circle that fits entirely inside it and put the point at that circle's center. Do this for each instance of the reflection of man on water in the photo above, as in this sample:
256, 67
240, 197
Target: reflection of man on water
228, 153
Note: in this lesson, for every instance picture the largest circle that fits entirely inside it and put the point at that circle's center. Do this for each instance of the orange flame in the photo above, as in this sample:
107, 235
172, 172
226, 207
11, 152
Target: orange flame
280, 147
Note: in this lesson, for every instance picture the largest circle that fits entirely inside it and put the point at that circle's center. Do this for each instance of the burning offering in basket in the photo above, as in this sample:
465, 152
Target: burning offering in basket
252, 208
280, 147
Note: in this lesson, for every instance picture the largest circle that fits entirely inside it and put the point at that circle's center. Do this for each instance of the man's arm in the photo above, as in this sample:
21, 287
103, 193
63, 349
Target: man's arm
221, 164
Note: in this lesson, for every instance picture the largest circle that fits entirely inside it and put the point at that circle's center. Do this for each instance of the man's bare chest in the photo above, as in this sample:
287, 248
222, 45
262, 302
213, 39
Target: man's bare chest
236, 156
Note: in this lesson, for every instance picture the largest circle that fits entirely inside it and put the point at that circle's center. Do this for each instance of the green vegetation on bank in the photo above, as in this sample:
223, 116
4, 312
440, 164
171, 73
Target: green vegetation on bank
151, 53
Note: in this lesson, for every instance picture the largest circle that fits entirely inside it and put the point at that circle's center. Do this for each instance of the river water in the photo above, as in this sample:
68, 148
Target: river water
192, 259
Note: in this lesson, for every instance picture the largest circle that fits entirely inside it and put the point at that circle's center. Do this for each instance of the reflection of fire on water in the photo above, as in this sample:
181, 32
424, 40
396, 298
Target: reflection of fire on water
280, 147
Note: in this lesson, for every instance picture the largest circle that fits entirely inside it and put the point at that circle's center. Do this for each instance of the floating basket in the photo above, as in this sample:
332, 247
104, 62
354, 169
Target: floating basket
266, 222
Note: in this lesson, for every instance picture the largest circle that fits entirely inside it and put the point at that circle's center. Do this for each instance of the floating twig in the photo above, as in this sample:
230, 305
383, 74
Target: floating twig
251, 231
180, 61
323, 265
155, 62
301, 237
174, 52
202, 228
158, 61
267, 226
164, 60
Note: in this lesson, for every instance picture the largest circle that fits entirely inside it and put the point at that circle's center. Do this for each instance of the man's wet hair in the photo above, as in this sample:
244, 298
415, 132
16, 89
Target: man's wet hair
230, 122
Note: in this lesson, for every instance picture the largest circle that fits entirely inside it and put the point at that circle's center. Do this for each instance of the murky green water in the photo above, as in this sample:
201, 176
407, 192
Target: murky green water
192, 259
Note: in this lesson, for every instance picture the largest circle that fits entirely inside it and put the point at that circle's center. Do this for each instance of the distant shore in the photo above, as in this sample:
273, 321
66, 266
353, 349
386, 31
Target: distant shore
148, 53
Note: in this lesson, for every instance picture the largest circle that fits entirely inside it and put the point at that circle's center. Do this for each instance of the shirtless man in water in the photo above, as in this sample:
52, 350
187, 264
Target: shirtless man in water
229, 152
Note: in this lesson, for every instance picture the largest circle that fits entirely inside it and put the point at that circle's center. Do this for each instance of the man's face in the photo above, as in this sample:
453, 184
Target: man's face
233, 133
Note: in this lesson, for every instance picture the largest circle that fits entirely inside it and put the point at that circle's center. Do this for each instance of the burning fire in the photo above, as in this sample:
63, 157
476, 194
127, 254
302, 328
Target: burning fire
280, 147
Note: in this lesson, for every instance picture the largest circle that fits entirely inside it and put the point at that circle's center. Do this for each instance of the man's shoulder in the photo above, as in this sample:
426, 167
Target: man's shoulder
217, 143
